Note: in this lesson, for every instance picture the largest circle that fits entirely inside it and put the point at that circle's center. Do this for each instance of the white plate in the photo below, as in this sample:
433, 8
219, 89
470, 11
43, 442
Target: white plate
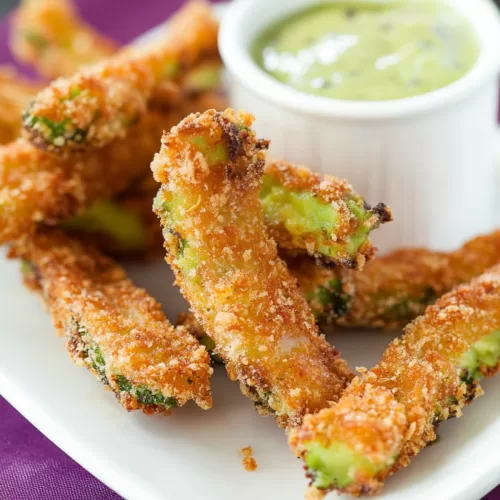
194, 454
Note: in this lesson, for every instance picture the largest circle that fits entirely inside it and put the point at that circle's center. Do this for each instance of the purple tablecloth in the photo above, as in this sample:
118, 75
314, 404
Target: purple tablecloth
31, 467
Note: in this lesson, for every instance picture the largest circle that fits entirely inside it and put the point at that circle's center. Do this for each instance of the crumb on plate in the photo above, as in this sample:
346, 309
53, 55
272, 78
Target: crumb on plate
248, 461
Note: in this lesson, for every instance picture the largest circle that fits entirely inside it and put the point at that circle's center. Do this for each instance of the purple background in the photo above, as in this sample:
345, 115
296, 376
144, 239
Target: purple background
31, 467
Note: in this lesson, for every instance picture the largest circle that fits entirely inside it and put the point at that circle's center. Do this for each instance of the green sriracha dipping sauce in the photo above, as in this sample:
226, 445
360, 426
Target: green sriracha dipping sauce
369, 51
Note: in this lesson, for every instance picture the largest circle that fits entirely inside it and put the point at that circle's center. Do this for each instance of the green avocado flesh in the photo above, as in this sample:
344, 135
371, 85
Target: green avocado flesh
54, 132
27, 269
407, 308
301, 213
185, 257
204, 78
171, 69
485, 353
213, 155
369, 50
208, 342
331, 299
144, 395
336, 465
109, 218
92, 353
36, 39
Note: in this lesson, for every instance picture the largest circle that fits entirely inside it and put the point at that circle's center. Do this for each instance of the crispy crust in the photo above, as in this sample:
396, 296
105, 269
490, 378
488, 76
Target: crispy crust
391, 413
228, 268
83, 289
38, 187
394, 289
51, 37
99, 103
335, 192
15, 94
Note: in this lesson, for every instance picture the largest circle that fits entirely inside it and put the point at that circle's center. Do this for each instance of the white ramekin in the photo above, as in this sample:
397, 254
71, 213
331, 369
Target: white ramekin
431, 157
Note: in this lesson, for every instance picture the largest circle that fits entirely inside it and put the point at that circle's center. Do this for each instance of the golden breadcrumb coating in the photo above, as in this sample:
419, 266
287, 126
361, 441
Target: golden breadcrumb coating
393, 289
211, 168
391, 412
114, 328
100, 103
15, 95
38, 187
339, 230
50, 36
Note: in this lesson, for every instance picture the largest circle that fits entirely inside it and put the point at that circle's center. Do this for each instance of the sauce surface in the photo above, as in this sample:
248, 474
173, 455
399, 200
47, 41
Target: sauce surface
366, 51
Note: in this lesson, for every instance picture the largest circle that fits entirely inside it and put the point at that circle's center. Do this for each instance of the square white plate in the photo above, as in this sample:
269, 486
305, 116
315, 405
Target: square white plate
194, 454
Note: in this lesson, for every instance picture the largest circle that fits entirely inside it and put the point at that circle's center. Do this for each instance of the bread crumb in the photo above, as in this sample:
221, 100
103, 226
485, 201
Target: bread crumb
314, 494
248, 461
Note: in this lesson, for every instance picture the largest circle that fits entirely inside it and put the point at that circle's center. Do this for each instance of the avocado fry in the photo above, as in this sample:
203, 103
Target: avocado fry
50, 36
113, 328
319, 215
37, 187
211, 167
391, 412
394, 289
101, 103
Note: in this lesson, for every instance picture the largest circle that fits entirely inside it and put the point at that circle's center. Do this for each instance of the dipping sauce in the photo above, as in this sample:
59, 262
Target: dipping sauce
367, 51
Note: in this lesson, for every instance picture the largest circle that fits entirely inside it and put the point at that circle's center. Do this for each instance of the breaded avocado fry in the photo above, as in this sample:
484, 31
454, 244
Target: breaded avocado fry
211, 167
113, 328
50, 36
37, 187
394, 289
391, 412
320, 215
100, 103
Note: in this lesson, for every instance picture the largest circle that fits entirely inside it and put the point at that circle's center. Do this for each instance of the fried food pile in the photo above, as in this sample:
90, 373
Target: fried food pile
131, 152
